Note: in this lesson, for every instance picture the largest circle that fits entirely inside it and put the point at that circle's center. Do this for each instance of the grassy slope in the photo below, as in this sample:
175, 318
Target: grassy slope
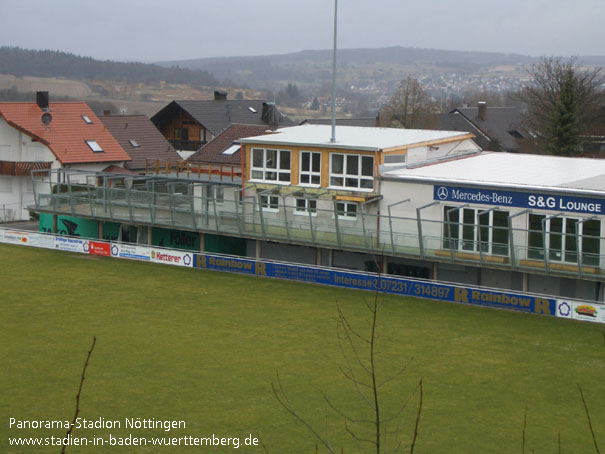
175, 343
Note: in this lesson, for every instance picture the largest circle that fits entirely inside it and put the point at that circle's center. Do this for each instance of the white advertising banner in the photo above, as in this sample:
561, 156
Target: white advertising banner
131, 251
41, 240
579, 310
71, 244
172, 257
15, 237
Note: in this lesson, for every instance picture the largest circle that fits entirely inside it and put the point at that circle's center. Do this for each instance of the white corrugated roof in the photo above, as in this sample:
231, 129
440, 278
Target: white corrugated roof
512, 170
352, 137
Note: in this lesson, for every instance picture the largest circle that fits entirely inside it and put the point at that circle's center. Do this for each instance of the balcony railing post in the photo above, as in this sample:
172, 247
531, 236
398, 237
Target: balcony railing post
391, 221
511, 232
336, 224
419, 222
311, 226
71, 199
283, 199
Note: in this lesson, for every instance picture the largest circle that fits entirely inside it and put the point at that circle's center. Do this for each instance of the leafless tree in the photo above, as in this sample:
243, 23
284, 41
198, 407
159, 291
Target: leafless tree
82, 378
362, 373
410, 107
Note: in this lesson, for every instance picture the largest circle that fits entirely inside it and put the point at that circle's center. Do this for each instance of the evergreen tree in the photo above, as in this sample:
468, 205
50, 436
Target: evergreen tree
563, 134
564, 102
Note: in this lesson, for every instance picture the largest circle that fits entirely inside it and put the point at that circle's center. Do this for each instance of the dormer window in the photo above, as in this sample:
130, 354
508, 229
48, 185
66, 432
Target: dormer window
86, 119
134, 143
94, 146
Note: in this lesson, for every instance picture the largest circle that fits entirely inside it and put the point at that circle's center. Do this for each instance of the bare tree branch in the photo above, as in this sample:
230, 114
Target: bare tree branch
73, 422
346, 323
365, 440
348, 418
524, 426
397, 374
286, 405
594, 439
417, 420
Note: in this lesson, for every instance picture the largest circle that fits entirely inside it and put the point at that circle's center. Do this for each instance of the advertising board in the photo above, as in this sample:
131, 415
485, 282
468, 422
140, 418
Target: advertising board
399, 286
168, 257
579, 310
131, 251
15, 237
99, 248
519, 199
64, 243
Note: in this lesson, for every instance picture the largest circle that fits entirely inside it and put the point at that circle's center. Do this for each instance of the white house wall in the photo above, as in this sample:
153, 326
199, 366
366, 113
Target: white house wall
16, 192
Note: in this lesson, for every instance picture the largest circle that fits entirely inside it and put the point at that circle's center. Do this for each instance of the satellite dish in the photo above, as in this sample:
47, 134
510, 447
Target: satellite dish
47, 118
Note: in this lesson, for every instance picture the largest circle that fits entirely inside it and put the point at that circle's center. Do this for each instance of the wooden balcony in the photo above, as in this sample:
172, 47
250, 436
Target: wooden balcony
187, 145
22, 169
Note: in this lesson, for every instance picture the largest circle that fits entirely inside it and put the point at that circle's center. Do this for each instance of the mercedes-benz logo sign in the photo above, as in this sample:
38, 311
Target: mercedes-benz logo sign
442, 193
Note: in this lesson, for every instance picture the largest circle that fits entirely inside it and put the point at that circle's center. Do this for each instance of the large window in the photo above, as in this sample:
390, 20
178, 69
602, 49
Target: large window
475, 230
310, 168
270, 165
351, 171
560, 236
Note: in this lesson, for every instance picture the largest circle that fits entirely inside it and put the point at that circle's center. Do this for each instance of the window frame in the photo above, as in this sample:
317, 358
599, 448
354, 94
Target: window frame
309, 173
466, 232
94, 146
265, 170
346, 216
307, 209
267, 205
345, 176
562, 252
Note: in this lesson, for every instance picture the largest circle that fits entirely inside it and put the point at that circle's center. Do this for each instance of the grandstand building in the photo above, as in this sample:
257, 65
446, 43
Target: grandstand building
416, 203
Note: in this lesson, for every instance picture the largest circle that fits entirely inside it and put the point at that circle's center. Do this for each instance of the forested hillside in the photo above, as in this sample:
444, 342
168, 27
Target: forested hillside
48, 63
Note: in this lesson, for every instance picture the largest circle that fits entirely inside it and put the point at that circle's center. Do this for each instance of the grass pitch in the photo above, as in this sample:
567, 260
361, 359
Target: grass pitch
204, 347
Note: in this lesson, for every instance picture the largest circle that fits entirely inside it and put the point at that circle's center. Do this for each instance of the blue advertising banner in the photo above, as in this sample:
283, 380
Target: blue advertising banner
394, 285
519, 199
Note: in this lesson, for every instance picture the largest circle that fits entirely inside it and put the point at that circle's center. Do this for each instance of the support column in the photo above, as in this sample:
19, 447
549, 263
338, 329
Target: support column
318, 256
202, 242
258, 249
54, 223
384, 265
330, 258
525, 282
435, 271
149, 235
100, 230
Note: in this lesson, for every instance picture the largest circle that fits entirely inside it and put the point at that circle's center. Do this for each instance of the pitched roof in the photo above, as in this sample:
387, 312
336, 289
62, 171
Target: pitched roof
67, 133
140, 139
457, 122
211, 152
500, 123
216, 115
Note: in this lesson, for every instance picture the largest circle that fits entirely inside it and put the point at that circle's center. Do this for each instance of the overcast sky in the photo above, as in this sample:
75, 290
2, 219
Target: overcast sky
154, 30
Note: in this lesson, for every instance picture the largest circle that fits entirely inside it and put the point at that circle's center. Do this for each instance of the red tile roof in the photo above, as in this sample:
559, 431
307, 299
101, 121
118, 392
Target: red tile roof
67, 133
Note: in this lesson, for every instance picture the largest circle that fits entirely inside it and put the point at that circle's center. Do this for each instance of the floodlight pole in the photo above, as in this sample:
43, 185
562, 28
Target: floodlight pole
333, 138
